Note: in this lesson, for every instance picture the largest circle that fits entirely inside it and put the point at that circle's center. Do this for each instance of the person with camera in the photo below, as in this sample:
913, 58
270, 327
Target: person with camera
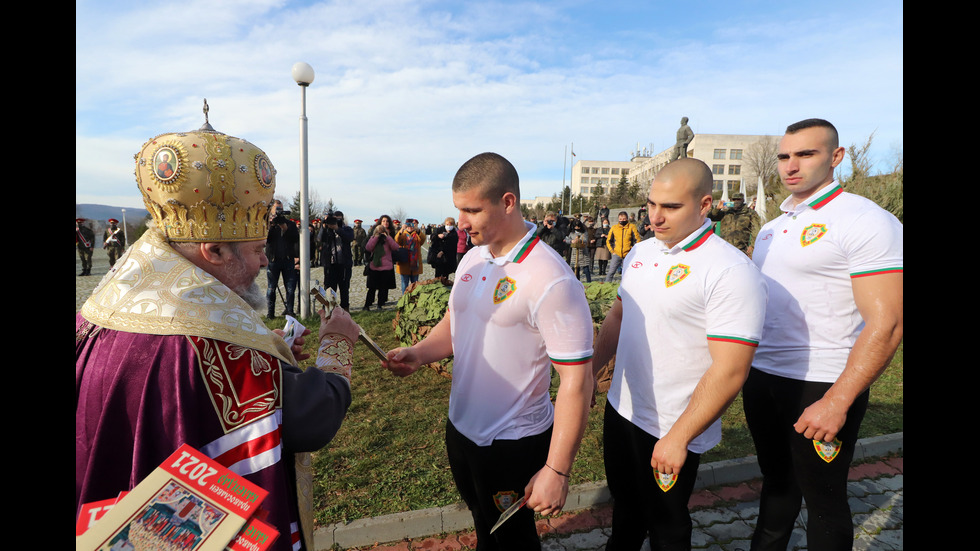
335, 255
282, 250
551, 234
379, 264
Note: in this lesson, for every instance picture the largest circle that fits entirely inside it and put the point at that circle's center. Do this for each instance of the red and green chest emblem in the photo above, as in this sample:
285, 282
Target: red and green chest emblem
505, 288
676, 274
812, 233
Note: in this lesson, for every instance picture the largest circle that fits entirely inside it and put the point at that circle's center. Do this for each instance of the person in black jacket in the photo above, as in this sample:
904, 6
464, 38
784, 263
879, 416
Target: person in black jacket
282, 250
442, 248
336, 255
551, 233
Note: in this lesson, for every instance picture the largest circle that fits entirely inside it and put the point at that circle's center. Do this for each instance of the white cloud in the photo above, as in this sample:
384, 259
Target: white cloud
406, 90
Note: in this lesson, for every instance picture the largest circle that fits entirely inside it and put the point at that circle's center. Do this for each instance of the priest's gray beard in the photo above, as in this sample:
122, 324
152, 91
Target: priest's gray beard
254, 297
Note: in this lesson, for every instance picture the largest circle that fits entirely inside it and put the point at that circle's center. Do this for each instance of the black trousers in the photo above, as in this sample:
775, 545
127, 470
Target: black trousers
640, 507
793, 470
489, 478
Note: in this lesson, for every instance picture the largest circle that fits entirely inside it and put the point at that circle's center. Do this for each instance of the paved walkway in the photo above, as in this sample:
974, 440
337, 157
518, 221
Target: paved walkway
724, 509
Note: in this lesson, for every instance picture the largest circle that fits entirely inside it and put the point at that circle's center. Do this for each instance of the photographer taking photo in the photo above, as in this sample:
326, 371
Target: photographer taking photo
335, 239
379, 266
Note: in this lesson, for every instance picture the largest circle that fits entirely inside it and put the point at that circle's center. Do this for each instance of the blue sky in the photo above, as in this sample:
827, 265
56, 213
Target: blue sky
407, 90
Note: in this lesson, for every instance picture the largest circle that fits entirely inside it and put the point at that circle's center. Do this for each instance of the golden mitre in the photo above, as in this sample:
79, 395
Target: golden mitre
205, 186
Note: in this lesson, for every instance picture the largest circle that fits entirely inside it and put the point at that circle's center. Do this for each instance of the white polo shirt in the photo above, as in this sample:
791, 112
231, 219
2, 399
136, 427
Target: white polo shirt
675, 300
809, 256
511, 317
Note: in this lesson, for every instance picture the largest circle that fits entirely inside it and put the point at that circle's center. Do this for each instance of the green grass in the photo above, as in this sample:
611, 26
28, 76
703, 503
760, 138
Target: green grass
390, 455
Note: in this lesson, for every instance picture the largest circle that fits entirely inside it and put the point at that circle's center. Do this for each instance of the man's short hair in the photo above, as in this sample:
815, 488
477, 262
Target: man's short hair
623, 213
492, 174
816, 123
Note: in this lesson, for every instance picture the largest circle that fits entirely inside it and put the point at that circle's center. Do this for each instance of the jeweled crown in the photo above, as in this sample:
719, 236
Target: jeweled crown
206, 186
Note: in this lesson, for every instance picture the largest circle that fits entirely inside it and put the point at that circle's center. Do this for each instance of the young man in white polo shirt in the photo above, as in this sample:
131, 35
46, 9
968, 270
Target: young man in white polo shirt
516, 310
684, 330
833, 262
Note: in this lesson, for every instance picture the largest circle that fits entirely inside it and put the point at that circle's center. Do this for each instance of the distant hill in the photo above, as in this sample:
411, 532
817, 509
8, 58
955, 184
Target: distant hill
105, 212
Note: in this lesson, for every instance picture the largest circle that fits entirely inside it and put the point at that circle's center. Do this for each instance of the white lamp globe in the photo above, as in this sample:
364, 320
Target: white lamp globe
303, 74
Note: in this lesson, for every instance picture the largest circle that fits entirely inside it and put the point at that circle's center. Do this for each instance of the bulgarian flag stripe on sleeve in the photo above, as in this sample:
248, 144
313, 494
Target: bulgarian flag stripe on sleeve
577, 361
736, 340
897, 270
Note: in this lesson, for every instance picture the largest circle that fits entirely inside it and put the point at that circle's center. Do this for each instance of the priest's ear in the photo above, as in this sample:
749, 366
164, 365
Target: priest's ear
214, 253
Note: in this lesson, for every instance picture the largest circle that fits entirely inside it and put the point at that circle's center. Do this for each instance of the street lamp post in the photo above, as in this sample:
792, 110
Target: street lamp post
125, 233
303, 75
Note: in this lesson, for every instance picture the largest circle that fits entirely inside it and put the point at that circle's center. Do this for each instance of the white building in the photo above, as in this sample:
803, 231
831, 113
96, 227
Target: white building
588, 175
728, 155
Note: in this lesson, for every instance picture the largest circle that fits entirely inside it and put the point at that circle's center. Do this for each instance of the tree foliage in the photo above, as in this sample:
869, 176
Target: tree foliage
887, 190
315, 206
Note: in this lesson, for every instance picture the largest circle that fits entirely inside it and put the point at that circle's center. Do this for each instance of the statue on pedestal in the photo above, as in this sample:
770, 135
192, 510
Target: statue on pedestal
684, 137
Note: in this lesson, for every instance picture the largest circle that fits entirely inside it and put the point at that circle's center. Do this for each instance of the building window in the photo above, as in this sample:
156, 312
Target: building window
717, 185
734, 169
584, 180
605, 170
717, 169
595, 170
626, 171
719, 154
585, 190
735, 155
734, 185
615, 171
585, 170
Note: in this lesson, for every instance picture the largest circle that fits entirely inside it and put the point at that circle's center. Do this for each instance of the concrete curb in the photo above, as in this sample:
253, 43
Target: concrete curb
454, 518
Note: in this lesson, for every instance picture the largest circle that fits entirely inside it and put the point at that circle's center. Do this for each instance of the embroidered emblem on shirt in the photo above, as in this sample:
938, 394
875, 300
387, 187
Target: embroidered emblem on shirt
827, 450
812, 233
505, 288
636, 264
503, 500
676, 274
466, 277
665, 481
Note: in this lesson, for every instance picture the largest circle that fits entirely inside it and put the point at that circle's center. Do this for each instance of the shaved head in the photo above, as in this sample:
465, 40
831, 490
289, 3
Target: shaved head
679, 199
691, 172
833, 139
491, 174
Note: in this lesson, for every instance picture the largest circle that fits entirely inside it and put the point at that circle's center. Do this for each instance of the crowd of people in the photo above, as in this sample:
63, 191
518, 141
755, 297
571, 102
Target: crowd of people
388, 248
802, 328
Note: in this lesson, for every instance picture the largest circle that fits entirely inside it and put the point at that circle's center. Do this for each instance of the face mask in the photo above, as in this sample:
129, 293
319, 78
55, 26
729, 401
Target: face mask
450, 228
623, 222
605, 226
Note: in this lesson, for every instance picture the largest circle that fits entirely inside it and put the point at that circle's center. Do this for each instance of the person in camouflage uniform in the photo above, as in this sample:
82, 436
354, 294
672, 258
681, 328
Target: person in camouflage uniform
84, 242
737, 225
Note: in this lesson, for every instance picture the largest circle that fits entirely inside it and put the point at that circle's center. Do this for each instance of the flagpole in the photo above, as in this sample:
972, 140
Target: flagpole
564, 164
570, 161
